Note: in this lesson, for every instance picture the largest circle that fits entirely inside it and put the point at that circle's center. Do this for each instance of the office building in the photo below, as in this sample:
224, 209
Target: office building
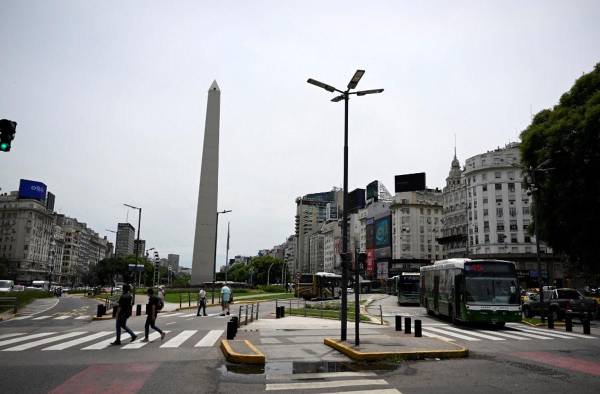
125, 240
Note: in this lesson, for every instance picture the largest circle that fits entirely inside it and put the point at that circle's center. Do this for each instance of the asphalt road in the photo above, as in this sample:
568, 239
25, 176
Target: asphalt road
189, 360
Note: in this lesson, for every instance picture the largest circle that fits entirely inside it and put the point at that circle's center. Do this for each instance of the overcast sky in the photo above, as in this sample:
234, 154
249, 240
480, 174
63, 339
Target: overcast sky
110, 99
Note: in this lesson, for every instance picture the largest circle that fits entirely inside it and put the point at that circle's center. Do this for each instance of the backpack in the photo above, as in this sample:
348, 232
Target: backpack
160, 304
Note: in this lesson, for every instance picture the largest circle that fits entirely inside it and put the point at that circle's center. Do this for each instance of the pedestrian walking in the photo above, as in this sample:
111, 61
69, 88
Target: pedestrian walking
161, 293
154, 305
201, 301
225, 299
123, 313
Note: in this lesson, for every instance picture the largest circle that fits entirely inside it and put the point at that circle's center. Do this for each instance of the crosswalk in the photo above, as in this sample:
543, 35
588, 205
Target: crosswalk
516, 332
330, 382
83, 340
88, 317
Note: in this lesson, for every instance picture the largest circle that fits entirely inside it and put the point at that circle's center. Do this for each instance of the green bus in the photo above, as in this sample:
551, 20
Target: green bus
465, 290
407, 284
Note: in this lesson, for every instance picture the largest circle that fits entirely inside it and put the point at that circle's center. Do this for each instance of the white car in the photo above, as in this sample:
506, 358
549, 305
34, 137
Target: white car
350, 290
6, 285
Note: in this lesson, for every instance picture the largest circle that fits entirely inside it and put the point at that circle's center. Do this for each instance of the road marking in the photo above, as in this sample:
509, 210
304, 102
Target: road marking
210, 338
42, 317
474, 333
172, 314
139, 344
525, 334
44, 341
180, 338
62, 317
83, 317
432, 335
22, 317
25, 338
542, 331
452, 334
171, 322
503, 334
14, 334
78, 341
322, 385
189, 315
548, 334
319, 375
106, 343
376, 391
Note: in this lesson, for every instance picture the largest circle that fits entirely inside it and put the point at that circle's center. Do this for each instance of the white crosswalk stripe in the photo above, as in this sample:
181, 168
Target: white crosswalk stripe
63, 317
511, 336
325, 384
14, 334
171, 314
432, 335
475, 333
139, 344
26, 338
318, 375
189, 315
549, 334
376, 391
526, 334
42, 317
79, 341
106, 343
452, 334
210, 338
22, 317
85, 317
44, 341
180, 338
543, 331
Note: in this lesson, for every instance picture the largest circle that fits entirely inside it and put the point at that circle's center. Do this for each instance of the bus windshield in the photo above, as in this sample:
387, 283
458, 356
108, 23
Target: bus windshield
482, 290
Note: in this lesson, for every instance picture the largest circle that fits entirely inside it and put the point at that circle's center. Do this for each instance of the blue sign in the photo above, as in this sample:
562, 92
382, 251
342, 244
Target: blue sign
32, 189
382, 232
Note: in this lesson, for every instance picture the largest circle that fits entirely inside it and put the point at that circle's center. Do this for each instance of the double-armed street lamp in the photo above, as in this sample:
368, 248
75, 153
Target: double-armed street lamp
137, 244
345, 95
215, 262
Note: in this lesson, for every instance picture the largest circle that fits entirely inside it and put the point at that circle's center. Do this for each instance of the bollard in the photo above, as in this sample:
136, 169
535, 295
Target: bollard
407, 325
252, 313
257, 305
179, 300
418, 332
282, 313
550, 321
586, 326
230, 329
398, 323
114, 312
277, 312
99, 310
138, 309
236, 320
246, 321
240, 315
569, 323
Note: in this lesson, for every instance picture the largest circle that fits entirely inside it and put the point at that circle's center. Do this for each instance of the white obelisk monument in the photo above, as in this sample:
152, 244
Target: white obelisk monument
206, 216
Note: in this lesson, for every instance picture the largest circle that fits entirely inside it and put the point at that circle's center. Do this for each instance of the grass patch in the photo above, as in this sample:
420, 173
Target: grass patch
24, 297
323, 314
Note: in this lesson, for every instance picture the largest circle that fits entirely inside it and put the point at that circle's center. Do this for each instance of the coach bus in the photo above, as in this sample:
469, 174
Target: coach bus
465, 290
407, 285
320, 286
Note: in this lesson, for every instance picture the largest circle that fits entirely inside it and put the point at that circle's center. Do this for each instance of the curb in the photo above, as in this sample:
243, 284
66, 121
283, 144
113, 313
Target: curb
231, 355
356, 355
107, 317
542, 325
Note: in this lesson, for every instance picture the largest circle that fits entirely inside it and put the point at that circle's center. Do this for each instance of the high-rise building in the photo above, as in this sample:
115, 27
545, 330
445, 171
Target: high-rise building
141, 247
173, 261
125, 240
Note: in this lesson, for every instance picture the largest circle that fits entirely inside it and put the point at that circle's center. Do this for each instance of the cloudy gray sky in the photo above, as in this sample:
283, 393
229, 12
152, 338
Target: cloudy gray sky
110, 98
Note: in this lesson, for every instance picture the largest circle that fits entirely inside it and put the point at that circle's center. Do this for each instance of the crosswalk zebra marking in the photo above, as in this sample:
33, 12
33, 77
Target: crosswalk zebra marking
452, 334
180, 338
42, 317
79, 341
476, 334
376, 391
549, 334
62, 317
319, 375
82, 318
14, 334
44, 341
527, 334
543, 331
22, 317
25, 338
210, 338
511, 336
172, 314
326, 384
106, 343
432, 335
139, 344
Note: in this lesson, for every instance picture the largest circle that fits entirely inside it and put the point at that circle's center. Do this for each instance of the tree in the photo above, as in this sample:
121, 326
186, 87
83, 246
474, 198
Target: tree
567, 137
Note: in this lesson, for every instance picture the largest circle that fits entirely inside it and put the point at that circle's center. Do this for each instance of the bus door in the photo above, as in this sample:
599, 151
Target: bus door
436, 292
459, 288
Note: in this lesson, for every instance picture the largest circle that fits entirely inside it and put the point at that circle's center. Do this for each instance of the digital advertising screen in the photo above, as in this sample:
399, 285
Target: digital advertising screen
383, 228
409, 182
32, 189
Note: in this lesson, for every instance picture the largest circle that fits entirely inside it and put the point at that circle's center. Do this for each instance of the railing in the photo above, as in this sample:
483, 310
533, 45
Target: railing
321, 309
245, 310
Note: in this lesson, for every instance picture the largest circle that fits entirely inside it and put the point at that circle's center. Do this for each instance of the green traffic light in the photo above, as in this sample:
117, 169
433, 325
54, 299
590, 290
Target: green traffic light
4, 146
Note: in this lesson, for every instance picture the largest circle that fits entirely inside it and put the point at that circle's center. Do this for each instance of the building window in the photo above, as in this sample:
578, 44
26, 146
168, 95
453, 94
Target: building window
513, 225
501, 238
527, 239
497, 174
512, 211
499, 212
485, 200
525, 210
487, 238
484, 188
500, 226
498, 186
511, 187
484, 175
511, 175
486, 226
513, 239
485, 212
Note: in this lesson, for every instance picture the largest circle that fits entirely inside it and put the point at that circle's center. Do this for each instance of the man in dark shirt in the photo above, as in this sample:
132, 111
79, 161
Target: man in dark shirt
123, 313
153, 302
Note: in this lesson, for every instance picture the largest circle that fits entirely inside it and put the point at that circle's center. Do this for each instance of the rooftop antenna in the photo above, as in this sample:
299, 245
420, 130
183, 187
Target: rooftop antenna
455, 145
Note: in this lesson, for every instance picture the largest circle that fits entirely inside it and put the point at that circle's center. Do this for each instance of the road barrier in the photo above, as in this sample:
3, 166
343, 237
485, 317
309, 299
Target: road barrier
418, 332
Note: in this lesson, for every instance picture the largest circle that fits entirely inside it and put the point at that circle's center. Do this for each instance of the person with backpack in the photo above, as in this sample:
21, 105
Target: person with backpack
155, 304
201, 301
226, 299
123, 313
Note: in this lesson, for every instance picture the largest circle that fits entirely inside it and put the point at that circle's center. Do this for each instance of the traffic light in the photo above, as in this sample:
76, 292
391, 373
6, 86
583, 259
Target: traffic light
362, 262
7, 134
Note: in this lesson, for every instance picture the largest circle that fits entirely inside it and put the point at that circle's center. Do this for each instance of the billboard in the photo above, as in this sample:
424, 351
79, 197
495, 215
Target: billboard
382, 270
356, 200
383, 229
409, 182
32, 189
370, 262
373, 191
370, 233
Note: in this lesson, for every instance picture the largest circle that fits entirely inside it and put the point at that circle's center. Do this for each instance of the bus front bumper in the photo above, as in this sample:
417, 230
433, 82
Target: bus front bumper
493, 313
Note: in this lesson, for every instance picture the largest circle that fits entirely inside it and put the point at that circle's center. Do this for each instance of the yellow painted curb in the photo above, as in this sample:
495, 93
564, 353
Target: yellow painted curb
107, 317
460, 352
542, 325
231, 355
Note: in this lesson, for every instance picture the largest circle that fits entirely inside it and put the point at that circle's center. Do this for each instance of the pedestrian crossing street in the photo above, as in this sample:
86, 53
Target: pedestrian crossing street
512, 332
83, 340
330, 382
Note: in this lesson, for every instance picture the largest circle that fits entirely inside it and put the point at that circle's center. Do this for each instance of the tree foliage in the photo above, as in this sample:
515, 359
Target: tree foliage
568, 138
256, 272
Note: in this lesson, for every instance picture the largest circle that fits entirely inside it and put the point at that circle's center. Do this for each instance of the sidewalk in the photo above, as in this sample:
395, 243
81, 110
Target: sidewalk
305, 339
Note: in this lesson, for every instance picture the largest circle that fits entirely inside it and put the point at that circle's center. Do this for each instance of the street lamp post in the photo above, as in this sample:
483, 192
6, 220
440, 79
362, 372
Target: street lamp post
215, 262
112, 283
268, 273
137, 244
345, 95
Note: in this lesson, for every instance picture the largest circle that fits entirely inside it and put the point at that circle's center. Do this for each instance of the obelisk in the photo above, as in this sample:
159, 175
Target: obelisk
206, 215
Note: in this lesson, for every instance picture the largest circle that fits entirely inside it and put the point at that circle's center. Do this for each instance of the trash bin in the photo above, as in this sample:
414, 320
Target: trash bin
99, 310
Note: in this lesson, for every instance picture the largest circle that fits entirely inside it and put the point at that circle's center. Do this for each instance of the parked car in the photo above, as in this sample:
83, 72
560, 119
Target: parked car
560, 303
6, 285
